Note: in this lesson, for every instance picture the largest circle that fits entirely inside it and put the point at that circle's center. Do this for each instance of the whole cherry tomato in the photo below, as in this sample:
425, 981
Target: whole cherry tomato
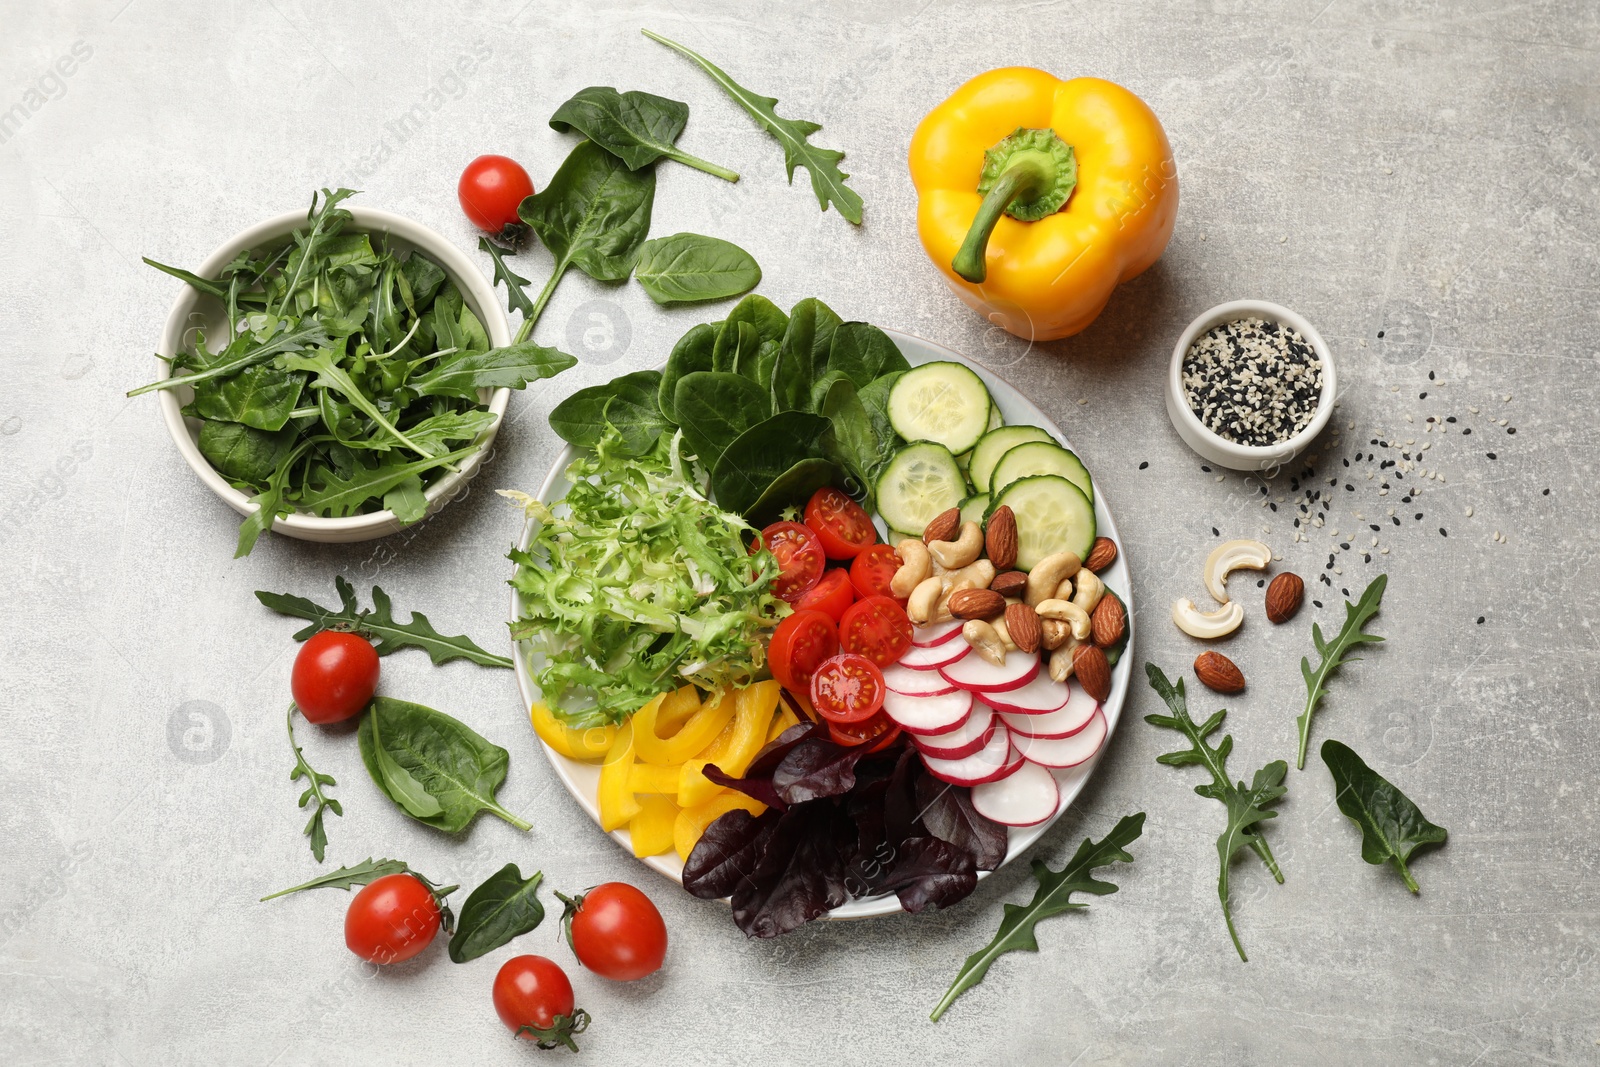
490, 189
534, 997
334, 676
616, 932
392, 919
842, 525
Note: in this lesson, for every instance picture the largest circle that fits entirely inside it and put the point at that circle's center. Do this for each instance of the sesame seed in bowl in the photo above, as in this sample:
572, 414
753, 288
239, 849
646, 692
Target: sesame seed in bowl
1250, 386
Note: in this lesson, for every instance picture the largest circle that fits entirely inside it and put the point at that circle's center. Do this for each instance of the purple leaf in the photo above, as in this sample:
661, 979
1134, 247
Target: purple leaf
801, 875
929, 872
948, 814
729, 850
757, 780
816, 768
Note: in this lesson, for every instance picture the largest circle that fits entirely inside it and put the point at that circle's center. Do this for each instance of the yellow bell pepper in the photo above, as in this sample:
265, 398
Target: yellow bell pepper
651, 778
755, 704
690, 739
691, 823
653, 829
587, 744
1038, 196
618, 805
784, 719
676, 709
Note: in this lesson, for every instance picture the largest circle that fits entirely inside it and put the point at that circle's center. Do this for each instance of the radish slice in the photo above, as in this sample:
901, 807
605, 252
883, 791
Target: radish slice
937, 634
1065, 751
936, 656
980, 676
916, 683
964, 740
928, 714
1063, 722
995, 759
1042, 694
1025, 798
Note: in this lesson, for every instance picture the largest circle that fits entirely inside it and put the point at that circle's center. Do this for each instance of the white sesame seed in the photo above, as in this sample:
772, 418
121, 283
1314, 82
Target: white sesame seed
1508, 398
1384, 551
1469, 513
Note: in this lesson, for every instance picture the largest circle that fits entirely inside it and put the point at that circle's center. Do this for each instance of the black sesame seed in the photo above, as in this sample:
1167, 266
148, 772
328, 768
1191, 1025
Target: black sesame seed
1380, 333
1205, 468
1423, 396
1480, 620
1260, 582
1419, 516
1443, 532
1317, 603
1449, 418
1214, 532
1511, 429
1347, 462
1366, 557
1430, 376
1344, 546
1144, 465
1374, 526
1395, 519
1466, 431
1547, 492
1346, 592
1349, 488
1491, 455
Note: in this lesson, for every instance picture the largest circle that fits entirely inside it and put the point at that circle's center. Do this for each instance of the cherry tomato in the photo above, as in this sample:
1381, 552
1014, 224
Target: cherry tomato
842, 525
799, 645
533, 996
879, 728
831, 596
616, 932
490, 189
334, 676
392, 919
876, 627
873, 570
847, 688
800, 558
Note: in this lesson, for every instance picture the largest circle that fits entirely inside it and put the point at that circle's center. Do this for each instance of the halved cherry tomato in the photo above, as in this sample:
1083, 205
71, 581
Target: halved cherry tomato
847, 688
873, 570
842, 525
799, 645
799, 555
831, 596
876, 627
879, 728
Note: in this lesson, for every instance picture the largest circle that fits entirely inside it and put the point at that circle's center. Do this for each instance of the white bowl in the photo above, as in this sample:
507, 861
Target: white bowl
582, 779
1219, 449
193, 308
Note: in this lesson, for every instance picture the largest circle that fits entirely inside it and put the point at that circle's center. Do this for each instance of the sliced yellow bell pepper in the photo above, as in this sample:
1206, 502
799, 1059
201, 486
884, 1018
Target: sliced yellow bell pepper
691, 823
754, 716
650, 778
653, 829
617, 802
676, 709
701, 729
784, 719
589, 744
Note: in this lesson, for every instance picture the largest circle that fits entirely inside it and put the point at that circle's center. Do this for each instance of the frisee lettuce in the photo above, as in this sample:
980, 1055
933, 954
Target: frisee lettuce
636, 583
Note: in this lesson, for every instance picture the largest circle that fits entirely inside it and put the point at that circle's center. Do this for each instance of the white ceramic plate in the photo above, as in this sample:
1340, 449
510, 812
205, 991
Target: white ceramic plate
582, 779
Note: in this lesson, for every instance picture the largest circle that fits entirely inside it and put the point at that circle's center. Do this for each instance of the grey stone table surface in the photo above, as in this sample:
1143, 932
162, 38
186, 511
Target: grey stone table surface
1418, 179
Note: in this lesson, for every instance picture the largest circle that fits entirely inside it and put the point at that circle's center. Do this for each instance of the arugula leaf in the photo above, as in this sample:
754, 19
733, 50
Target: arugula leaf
1052, 897
689, 268
229, 363
1246, 804
208, 287
407, 500
325, 222
514, 366
329, 375
827, 181
1392, 827
437, 431
516, 298
379, 625
630, 403
1334, 653
369, 871
438, 769
315, 780
638, 128
340, 494
504, 907
692, 353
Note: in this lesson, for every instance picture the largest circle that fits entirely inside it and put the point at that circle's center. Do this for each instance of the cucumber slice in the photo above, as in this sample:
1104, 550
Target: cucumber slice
996, 443
945, 403
995, 419
974, 508
921, 481
1053, 516
1041, 457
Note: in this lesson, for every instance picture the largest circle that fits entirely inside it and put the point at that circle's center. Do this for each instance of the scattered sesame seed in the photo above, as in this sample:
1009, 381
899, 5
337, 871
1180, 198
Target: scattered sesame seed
1480, 620
1469, 513
1443, 532
1145, 465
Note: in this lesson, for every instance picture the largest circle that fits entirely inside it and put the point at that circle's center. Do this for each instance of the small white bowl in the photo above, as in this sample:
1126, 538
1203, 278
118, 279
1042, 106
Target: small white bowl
193, 308
1219, 449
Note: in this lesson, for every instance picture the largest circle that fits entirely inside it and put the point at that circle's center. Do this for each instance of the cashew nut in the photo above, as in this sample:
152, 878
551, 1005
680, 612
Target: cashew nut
1068, 612
1053, 633
979, 574
1089, 590
963, 550
1047, 574
1000, 627
1061, 661
917, 566
1196, 623
923, 598
985, 641
1064, 590
1230, 556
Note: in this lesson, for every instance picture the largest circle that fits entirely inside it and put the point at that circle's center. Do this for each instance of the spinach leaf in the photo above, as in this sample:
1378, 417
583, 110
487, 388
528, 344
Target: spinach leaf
1392, 827
863, 353
262, 396
514, 366
446, 762
827, 181
269, 502
315, 781
737, 342
792, 488
242, 453
424, 278
378, 624
594, 214
714, 408
689, 268
762, 454
692, 353
803, 354
851, 441
875, 401
638, 128
516, 297
630, 403
763, 314
1335, 652
341, 494
1051, 897
505, 906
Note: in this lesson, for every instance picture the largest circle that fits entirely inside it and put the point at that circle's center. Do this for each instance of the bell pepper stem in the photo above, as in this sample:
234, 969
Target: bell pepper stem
1023, 179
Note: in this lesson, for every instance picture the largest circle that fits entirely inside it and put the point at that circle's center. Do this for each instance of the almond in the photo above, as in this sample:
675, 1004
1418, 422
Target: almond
976, 603
1217, 672
1101, 555
1000, 538
1022, 622
1284, 596
1011, 583
944, 526
1108, 622
1089, 666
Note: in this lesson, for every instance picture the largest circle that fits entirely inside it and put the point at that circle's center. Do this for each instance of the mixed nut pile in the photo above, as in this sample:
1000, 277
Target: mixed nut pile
1284, 596
961, 571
